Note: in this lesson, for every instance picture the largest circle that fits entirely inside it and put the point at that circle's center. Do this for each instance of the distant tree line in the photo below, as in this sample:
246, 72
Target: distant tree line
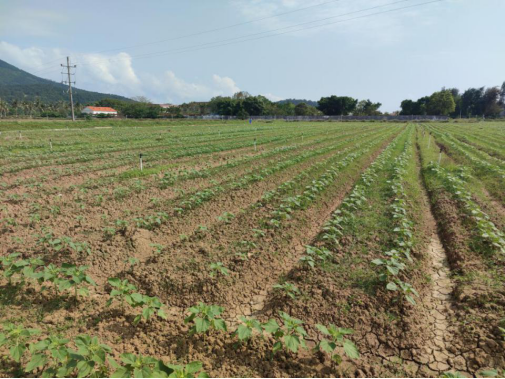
474, 102
243, 105
36, 108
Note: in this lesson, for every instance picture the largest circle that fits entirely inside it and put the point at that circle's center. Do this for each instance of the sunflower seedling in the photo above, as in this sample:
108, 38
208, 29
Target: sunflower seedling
218, 268
337, 339
205, 317
291, 333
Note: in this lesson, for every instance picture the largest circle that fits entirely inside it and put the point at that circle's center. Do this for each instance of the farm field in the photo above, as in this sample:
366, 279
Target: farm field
271, 249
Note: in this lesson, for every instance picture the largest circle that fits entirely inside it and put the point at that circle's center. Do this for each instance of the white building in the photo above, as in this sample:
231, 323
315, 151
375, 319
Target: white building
100, 110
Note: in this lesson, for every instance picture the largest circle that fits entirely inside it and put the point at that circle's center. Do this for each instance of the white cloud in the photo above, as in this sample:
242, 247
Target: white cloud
115, 74
224, 86
271, 97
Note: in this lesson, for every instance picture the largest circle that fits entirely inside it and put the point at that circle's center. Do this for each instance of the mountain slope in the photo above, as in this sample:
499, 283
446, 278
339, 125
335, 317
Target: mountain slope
16, 84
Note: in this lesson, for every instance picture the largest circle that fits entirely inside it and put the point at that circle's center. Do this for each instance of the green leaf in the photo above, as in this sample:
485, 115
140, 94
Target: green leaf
351, 350
327, 346
489, 373
162, 314
137, 319
271, 326
323, 329
220, 324
128, 358
277, 346
392, 286
202, 325
410, 299
115, 282
84, 368
38, 360
17, 352
193, 367
121, 372
292, 343
243, 332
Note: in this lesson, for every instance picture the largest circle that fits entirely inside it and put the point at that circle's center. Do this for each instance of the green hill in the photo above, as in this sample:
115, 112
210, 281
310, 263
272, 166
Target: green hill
16, 84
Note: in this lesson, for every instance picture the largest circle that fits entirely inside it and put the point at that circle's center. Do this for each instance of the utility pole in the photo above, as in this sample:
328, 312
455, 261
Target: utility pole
68, 67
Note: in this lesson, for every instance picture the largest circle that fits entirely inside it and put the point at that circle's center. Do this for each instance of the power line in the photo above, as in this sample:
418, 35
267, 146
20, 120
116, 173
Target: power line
273, 30
261, 35
202, 32
220, 28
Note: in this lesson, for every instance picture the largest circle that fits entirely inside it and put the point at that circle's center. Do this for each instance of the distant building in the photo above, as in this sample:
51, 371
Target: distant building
94, 111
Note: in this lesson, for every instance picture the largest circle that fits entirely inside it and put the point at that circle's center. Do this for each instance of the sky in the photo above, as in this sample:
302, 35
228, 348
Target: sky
175, 51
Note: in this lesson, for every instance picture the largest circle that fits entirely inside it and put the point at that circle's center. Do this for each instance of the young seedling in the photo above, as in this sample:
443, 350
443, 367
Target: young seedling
291, 333
50, 353
456, 374
150, 306
122, 289
75, 277
495, 373
226, 217
91, 356
16, 337
191, 370
258, 233
158, 248
205, 317
288, 288
337, 339
245, 330
130, 262
218, 268
139, 367
11, 265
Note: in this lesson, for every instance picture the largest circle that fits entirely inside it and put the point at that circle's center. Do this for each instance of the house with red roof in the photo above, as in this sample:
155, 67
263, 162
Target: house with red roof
94, 111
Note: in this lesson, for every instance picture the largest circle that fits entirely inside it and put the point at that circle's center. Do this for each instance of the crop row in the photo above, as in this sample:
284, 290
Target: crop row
455, 185
394, 264
56, 355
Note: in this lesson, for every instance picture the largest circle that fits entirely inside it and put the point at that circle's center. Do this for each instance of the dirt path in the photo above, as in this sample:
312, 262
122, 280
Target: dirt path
438, 354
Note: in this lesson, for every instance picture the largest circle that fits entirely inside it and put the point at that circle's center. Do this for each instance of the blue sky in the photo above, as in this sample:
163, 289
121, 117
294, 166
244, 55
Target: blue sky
386, 57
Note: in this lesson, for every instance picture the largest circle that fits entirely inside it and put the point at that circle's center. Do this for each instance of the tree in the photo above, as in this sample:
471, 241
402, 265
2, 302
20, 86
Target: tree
334, 105
301, 109
491, 102
472, 101
241, 95
457, 101
253, 105
4, 108
367, 108
441, 103
502, 94
223, 106
141, 99
407, 107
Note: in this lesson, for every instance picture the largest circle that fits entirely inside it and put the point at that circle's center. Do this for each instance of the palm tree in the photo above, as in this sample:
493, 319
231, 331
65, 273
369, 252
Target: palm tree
4, 108
15, 106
